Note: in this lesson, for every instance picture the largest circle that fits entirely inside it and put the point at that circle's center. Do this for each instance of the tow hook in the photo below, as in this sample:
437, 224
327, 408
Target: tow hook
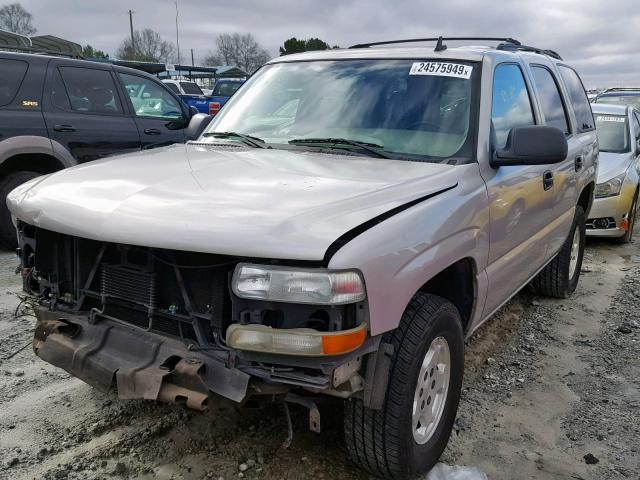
314, 415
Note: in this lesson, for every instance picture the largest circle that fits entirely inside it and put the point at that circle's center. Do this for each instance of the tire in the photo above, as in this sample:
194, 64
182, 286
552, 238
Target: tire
382, 441
8, 238
556, 279
633, 211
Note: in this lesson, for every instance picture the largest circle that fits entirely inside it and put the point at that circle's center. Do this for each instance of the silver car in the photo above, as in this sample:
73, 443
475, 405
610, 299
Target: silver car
346, 221
616, 196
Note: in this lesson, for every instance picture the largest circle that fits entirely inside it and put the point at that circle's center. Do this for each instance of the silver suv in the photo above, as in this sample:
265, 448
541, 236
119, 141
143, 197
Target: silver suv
346, 221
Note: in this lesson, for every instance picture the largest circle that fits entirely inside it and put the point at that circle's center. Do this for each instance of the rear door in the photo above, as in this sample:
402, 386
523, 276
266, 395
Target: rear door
520, 200
555, 113
161, 117
84, 112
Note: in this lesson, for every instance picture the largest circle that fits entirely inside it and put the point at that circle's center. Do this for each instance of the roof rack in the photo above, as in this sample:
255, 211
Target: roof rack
506, 43
38, 51
437, 39
511, 47
620, 89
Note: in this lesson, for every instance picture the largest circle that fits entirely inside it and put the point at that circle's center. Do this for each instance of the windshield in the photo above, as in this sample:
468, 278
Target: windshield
190, 88
613, 134
406, 107
226, 89
633, 100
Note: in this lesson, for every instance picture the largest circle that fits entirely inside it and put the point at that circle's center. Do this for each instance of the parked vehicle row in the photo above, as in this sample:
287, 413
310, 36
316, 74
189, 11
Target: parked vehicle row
57, 112
210, 102
338, 229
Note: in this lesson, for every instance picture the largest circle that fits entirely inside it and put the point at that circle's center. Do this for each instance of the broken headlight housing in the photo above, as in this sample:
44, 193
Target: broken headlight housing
275, 283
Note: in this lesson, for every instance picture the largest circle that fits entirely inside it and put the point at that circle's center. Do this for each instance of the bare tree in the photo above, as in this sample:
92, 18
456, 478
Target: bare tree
16, 19
240, 50
148, 46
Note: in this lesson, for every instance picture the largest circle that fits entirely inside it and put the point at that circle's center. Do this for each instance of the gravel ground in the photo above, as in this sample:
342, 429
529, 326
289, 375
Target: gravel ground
551, 392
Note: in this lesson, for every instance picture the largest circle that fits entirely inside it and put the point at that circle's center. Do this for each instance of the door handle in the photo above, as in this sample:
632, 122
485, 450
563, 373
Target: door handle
547, 179
64, 128
152, 131
578, 163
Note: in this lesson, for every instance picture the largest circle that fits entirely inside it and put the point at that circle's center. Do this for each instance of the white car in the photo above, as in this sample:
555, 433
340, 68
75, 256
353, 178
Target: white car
614, 210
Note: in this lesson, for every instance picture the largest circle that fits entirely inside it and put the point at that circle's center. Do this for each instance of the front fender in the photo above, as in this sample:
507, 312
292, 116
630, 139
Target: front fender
398, 256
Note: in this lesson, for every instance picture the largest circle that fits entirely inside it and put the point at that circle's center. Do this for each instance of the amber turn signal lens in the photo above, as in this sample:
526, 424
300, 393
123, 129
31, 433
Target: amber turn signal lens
339, 344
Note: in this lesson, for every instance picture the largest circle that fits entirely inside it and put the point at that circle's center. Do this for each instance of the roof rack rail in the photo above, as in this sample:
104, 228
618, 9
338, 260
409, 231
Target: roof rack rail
620, 89
437, 39
37, 51
510, 47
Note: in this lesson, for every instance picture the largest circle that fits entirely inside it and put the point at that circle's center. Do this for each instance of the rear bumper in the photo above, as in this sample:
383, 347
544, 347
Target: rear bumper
139, 364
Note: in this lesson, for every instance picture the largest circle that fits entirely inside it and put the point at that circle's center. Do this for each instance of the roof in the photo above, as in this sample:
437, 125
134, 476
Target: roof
620, 92
609, 109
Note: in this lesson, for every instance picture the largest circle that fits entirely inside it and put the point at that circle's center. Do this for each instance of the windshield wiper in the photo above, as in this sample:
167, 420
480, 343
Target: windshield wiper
374, 148
247, 139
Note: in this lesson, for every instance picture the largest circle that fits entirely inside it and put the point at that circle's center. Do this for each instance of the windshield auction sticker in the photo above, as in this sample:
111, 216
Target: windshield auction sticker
602, 118
441, 69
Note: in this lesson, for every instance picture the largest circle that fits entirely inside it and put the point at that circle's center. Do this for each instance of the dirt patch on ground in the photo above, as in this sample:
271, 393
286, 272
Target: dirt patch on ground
547, 383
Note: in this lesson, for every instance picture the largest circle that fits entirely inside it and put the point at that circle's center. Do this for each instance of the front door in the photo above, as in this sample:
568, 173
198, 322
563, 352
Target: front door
159, 115
521, 197
84, 112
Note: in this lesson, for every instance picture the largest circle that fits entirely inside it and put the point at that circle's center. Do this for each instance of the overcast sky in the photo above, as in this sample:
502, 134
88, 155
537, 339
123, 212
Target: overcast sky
600, 38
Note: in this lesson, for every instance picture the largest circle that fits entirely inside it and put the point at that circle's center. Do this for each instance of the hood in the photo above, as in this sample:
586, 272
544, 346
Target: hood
225, 200
612, 164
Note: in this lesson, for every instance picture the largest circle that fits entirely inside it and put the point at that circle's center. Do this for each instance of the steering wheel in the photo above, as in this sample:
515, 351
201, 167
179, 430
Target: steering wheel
455, 104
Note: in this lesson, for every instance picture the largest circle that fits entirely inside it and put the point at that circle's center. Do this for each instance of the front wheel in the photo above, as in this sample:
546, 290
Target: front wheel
628, 235
560, 277
407, 436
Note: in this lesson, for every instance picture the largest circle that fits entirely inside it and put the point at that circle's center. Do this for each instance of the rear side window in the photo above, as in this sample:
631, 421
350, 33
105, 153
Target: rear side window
550, 99
578, 98
90, 91
511, 105
13, 72
190, 88
173, 87
226, 89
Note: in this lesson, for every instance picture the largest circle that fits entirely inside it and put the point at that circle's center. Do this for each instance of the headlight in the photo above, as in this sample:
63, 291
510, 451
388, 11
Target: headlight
611, 187
297, 285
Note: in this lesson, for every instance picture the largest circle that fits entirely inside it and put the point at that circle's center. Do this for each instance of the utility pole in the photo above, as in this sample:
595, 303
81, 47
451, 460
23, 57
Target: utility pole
177, 35
192, 62
133, 45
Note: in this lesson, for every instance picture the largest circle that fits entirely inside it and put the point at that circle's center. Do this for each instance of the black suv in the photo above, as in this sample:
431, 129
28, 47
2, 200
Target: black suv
56, 112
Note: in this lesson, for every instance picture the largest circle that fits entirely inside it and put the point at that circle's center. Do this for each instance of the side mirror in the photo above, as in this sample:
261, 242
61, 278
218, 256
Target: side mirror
193, 111
197, 124
532, 145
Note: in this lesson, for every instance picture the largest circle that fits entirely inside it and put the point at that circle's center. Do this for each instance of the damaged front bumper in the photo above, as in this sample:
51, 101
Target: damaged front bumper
137, 363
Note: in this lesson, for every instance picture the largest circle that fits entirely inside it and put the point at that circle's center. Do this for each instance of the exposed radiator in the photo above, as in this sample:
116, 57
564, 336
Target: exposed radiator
130, 284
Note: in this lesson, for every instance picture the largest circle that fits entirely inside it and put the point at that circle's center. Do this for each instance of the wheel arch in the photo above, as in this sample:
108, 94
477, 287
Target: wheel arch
456, 283
585, 200
35, 162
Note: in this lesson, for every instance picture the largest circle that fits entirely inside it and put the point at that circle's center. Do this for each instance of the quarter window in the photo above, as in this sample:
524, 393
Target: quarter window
511, 102
90, 90
550, 99
13, 72
149, 99
578, 98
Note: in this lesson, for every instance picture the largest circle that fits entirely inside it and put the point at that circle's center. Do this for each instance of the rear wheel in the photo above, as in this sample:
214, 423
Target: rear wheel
407, 436
560, 277
8, 238
633, 211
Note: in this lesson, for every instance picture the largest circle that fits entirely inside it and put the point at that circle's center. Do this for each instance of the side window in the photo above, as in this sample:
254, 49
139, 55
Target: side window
636, 125
550, 99
511, 102
13, 72
173, 87
578, 98
149, 99
59, 97
89, 90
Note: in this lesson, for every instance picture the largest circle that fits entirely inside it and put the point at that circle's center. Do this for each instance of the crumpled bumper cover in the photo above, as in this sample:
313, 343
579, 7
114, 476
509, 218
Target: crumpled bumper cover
139, 364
